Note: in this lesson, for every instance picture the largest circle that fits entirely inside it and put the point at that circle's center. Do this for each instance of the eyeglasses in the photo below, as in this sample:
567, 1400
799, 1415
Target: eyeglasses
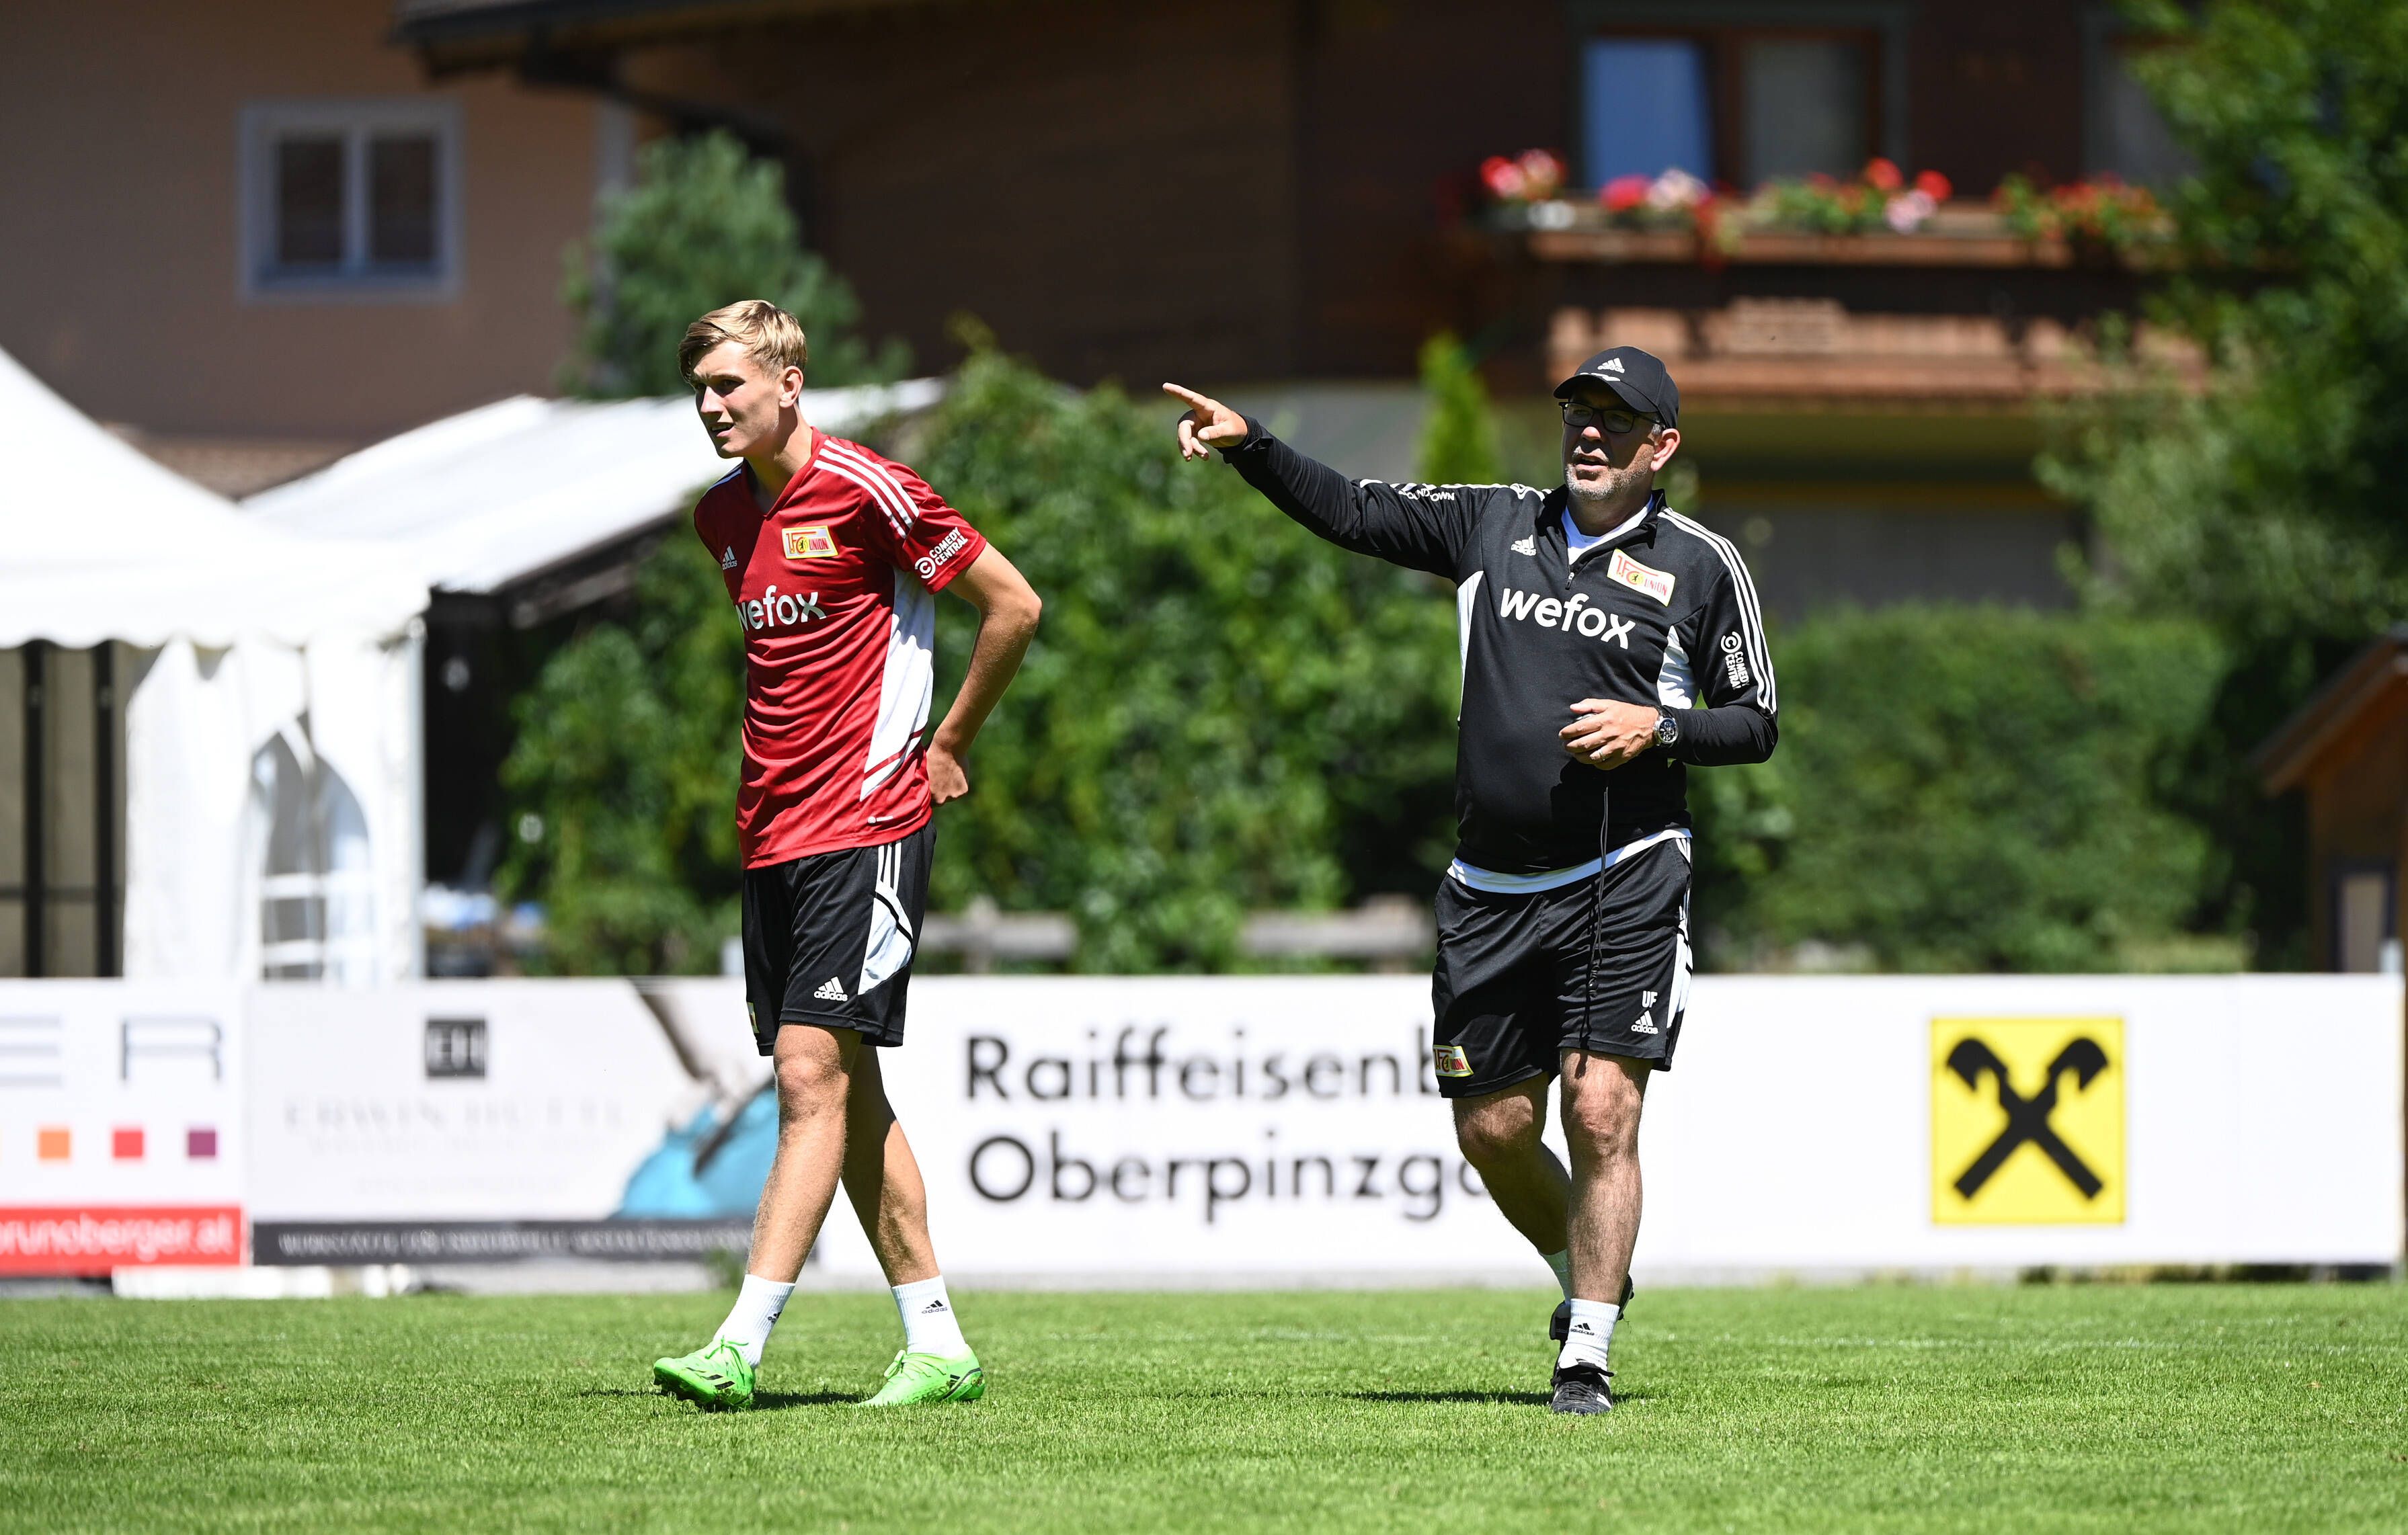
1580, 418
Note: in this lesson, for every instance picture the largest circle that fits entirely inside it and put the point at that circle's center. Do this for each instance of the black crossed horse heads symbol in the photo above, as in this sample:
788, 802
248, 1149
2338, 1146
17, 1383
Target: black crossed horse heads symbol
2028, 1117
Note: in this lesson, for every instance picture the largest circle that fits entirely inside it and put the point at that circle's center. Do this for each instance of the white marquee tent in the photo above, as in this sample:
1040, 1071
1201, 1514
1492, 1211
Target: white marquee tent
272, 750
491, 497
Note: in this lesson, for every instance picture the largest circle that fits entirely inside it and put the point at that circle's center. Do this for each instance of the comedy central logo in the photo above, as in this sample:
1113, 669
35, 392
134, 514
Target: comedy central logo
2027, 1122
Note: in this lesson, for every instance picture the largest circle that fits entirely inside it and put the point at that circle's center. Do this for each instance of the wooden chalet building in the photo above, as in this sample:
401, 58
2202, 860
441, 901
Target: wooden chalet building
1287, 190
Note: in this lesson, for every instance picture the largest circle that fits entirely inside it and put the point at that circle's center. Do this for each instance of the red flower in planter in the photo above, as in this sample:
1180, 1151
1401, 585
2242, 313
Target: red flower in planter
1503, 178
1883, 174
1934, 186
1624, 192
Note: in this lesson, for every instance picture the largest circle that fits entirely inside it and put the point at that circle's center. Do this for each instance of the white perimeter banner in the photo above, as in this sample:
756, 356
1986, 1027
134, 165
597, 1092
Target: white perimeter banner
1208, 1131
1217, 1129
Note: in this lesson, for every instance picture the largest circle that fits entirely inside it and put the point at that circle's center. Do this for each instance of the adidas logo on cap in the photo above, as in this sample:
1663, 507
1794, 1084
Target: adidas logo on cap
1612, 364
831, 990
727, 558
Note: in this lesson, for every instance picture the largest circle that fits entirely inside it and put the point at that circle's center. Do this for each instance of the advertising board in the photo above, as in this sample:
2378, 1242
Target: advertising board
121, 1126
1199, 1131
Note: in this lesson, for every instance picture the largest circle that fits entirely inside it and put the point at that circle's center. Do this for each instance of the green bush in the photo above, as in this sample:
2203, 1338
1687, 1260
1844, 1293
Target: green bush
621, 783
1964, 790
1221, 711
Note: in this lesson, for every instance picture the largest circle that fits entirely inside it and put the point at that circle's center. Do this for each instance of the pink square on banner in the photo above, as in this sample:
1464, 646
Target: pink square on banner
126, 1145
201, 1143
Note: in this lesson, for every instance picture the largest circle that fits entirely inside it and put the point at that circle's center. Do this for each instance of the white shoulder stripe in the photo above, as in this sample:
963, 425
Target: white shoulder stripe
838, 466
876, 497
897, 499
889, 489
1751, 614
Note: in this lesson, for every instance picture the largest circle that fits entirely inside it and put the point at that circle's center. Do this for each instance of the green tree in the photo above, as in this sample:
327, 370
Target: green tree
703, 225
2268, 503
1221, 713
1458, 442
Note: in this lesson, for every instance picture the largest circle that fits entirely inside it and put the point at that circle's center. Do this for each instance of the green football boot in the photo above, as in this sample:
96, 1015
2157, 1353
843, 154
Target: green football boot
712, 1376
915, 1378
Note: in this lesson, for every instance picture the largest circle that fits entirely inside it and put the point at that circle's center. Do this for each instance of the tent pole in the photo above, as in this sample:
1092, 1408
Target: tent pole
37, 655
105, 960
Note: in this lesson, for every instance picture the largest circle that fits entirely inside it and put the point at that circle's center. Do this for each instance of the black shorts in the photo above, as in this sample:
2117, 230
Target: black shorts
829, 939
1523, 978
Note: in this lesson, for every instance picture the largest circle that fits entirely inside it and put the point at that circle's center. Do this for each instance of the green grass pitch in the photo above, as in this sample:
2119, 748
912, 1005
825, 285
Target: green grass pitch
2068, 1408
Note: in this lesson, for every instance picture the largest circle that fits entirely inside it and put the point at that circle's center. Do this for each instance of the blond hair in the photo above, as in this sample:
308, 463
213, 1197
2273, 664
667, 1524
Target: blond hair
774, 337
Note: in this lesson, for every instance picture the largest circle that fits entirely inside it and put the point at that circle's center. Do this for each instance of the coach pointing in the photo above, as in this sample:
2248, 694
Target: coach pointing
1609, 643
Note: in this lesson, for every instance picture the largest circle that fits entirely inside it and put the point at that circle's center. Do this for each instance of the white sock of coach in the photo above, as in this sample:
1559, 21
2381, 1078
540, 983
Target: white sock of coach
929, 1325
1562, 1265
1592, 1334
757, 1305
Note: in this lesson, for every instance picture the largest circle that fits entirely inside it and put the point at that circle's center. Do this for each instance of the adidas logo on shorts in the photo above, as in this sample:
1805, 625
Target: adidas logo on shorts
1646, 1025
831, 990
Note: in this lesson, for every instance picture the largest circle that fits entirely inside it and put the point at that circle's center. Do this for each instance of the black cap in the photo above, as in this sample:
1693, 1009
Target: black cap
1639, 377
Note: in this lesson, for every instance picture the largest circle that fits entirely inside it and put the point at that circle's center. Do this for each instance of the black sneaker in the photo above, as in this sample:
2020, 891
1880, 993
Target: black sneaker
1559, 1326
1582, 1388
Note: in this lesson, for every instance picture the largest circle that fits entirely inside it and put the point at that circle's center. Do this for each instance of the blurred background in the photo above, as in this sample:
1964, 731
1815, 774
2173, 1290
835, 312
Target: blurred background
2040, 358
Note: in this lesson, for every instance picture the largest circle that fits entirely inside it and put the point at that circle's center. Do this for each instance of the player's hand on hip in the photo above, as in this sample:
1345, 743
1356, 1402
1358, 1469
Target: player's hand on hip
1606, 734
947, 779
1207, 425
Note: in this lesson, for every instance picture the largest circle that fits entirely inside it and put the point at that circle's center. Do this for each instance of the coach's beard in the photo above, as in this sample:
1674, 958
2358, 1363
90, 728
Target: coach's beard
1628, 488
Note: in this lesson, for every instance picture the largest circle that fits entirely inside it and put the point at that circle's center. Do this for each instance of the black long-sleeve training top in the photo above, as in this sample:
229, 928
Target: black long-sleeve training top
1663, 613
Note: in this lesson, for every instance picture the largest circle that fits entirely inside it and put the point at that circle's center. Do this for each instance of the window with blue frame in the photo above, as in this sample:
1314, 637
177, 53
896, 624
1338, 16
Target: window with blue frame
1730, 104
1644, 108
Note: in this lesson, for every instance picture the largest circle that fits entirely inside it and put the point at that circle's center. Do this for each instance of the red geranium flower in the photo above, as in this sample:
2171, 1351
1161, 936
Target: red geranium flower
1883, 174
1502, 177
1623, 194
1934, 186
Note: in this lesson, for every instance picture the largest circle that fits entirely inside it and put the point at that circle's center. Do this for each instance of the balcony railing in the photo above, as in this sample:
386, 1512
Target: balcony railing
1957, 235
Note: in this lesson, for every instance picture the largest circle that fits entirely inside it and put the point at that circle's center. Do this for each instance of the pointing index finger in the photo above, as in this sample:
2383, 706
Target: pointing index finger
1198, 401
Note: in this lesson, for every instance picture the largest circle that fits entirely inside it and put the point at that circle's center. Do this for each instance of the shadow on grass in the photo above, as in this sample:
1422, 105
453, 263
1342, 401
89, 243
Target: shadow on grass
1491, 1398
762, 1402
773, 1401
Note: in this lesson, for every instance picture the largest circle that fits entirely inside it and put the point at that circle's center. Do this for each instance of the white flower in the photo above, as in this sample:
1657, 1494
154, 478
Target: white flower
1907, 211
1676, 188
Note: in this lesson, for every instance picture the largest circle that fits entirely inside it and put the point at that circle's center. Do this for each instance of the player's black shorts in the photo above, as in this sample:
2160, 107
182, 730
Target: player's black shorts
1514, 987
829, 939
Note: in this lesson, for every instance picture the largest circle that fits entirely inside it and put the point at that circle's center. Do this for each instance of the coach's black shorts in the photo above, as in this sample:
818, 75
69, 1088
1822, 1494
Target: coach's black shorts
829, 939
1514, 987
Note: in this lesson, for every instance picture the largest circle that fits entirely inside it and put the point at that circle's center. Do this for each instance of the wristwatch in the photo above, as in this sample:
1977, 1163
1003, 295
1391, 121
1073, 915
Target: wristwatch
1668, 728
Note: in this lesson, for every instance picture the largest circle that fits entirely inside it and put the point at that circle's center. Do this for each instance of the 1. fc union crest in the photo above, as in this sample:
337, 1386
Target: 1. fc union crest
815, 543
2027, 1122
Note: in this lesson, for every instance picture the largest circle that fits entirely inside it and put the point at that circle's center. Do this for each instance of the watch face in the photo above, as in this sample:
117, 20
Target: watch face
1668, 729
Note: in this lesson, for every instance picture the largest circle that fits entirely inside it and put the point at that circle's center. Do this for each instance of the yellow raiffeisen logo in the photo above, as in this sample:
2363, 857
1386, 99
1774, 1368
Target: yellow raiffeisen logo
810, 544
1630, 573
2027, 1122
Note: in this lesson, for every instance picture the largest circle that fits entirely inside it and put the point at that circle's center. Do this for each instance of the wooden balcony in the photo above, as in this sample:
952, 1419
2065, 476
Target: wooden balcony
1812, 353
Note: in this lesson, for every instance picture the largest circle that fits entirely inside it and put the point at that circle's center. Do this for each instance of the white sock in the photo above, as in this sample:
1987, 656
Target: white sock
757, 1305
1592, 1334
1562, 1264
929, 1325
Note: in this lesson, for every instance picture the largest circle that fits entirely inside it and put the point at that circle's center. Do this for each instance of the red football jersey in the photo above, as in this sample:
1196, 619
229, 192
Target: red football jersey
835, 586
